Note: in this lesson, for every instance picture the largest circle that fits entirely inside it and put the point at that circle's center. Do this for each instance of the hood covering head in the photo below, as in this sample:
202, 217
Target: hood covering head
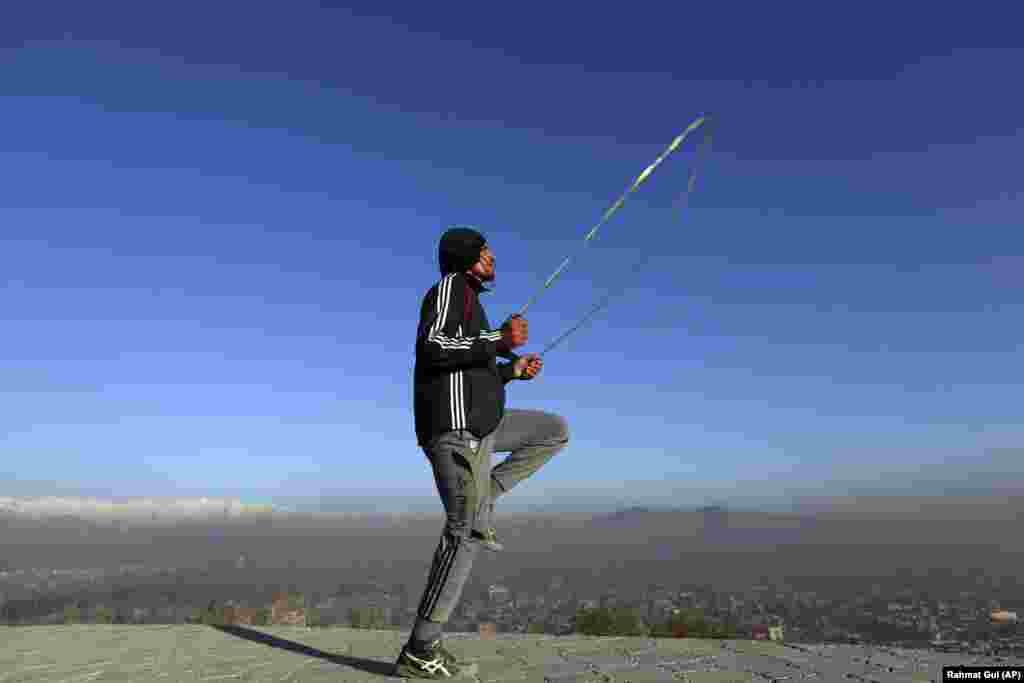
459, 249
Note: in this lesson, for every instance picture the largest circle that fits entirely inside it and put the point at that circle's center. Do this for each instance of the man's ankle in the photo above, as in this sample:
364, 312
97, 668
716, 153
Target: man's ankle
420, 647
425, 632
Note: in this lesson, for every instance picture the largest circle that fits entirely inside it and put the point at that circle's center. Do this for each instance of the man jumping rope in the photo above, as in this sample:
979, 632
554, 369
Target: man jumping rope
460, 420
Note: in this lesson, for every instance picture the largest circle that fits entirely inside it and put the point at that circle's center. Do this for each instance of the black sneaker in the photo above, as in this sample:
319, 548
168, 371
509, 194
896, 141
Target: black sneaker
434, 662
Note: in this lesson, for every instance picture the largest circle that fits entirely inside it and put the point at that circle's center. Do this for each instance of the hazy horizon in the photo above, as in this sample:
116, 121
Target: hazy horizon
969, 502
848, 546
991, 473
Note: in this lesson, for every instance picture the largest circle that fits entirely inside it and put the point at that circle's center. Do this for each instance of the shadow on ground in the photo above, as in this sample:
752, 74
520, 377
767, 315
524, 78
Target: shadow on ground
367, 665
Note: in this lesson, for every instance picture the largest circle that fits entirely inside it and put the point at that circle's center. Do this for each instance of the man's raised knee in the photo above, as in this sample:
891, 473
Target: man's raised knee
560, 430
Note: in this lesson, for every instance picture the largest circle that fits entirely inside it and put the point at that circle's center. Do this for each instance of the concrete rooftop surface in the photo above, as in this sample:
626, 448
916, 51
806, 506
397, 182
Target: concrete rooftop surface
281, 654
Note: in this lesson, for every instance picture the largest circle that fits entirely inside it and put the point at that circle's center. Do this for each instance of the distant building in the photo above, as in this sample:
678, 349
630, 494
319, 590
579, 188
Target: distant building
284, 612
488, 630
240, 616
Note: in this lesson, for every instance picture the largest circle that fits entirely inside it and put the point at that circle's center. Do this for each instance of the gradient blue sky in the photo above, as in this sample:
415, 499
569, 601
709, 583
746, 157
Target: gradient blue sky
218, 220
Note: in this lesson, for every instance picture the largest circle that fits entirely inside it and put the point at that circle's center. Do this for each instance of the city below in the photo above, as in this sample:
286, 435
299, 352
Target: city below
971, 621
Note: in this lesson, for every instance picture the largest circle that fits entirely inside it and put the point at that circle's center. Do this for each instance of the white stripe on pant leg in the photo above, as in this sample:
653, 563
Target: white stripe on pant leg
456, 547
442, 559
433, 566
446, 564
455, 582
435, 572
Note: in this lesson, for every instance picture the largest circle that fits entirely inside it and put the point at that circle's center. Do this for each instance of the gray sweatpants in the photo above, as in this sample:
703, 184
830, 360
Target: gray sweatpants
468, 487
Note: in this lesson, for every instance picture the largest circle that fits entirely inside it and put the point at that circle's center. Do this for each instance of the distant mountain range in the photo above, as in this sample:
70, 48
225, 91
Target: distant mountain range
638, 511
139, 510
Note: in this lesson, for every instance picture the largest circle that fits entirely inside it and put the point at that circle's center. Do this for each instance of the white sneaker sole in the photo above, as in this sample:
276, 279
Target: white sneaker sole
465, 671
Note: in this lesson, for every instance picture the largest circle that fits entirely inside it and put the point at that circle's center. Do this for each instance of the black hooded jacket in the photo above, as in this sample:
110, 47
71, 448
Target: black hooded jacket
458, 384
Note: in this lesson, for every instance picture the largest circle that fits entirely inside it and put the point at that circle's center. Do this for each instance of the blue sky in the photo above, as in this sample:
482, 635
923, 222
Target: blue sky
217, 225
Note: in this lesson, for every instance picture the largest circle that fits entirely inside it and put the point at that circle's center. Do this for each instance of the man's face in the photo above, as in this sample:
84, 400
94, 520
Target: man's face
484, 268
